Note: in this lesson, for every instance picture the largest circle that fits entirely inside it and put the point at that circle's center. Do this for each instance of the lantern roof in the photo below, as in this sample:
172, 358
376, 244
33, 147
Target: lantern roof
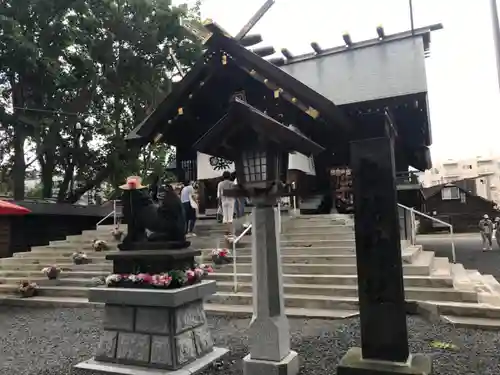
231, 133
228, 69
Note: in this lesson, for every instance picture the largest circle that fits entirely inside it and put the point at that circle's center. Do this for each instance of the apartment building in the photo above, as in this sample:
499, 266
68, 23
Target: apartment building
484, 169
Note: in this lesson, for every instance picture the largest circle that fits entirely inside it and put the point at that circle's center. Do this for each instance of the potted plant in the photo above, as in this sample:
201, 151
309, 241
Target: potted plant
117, 233
80, 258
221, 256
100, 245
52, 272
27, 289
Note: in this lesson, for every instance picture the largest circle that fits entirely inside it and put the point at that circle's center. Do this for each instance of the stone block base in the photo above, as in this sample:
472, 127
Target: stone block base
353, 364
154, 329
288, 366
97, 367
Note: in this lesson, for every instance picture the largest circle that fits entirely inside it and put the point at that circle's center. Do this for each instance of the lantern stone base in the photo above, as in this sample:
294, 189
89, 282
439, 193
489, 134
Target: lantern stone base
354, 364
287, 366
148, 331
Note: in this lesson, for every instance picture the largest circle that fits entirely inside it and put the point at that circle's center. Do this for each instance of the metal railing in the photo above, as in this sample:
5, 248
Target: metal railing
114, 213
235, 242
414, 228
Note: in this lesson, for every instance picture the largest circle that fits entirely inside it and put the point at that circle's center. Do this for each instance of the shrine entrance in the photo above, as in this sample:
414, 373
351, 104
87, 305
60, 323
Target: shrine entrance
341, 183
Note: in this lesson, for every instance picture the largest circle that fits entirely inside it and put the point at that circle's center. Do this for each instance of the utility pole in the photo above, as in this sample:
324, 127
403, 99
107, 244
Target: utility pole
496, 35
411, 17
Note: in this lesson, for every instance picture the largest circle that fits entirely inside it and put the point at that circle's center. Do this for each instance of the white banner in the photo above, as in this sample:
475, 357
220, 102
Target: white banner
209, 167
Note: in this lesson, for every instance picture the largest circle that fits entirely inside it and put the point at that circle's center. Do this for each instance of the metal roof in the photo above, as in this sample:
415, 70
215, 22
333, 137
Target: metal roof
420, 32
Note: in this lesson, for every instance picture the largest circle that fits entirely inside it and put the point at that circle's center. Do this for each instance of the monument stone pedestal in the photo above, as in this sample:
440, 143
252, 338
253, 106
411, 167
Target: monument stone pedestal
384, 334
269, 331
148, 331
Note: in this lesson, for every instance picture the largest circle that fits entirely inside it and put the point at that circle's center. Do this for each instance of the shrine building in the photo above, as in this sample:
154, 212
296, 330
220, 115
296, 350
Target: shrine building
331, 96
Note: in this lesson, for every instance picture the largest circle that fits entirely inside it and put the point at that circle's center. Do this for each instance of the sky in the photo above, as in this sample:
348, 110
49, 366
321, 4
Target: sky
464, 95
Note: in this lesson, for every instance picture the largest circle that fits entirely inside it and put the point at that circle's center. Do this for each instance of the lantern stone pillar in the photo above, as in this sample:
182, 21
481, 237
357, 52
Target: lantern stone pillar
269, 330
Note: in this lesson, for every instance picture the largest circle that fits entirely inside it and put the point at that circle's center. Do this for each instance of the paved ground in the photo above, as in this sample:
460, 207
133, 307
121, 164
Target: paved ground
50, 341
468, 248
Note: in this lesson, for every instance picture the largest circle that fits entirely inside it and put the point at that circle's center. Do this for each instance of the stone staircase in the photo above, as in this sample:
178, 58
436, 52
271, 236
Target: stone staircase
319, 274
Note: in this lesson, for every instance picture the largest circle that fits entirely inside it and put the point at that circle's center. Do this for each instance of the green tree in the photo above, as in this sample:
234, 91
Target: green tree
95, 69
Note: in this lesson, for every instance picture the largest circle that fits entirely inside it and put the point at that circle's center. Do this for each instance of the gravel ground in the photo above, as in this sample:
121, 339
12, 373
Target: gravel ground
50, 341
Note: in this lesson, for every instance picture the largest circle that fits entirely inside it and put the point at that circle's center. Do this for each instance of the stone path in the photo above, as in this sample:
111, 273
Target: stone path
49, 341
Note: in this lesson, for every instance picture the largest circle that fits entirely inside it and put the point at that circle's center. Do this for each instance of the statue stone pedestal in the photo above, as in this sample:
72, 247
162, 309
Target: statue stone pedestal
269, 330
149, 331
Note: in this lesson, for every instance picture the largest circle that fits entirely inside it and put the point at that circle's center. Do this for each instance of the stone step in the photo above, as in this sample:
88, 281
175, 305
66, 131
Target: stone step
60, 252
289, 251
330, 279
464, 309
49, 291
323, 217
54, 259
338, 303
24, 274
67, 281
69, 247
471, 322
64, 266
294, 236
413, 293
292, 226
241, 311
56, 254
212, 309
291, 300
322, 269
408, 258
45, 302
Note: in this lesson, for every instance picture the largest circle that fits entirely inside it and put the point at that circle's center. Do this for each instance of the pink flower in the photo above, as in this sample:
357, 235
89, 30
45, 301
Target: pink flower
145, 278
198, 272
190, 274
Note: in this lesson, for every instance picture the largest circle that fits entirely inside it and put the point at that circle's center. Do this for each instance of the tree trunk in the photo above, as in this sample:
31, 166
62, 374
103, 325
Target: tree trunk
68, 178
47, 167
75, 195
19, 169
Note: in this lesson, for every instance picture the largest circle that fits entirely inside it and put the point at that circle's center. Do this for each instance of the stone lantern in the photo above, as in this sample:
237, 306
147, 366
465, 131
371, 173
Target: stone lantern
259, 146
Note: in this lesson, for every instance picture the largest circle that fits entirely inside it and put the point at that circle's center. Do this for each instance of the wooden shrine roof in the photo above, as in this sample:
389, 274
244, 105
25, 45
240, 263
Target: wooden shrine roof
227, 68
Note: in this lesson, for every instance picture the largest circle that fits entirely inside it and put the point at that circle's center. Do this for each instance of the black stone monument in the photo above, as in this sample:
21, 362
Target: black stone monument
384, 336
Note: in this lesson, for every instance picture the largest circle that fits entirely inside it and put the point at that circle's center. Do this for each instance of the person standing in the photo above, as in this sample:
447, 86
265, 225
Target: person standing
497, 230
239, 202
189, 205
226, 202
486, 230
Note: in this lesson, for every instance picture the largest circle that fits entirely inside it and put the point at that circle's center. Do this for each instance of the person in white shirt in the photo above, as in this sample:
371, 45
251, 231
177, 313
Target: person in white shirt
189, 205
227, 203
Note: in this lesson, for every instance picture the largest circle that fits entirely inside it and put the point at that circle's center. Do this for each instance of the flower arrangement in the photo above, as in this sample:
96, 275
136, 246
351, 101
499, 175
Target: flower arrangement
52, 272
80, 258
117, 233
100, 245
221, 256
27, 289
169, 280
